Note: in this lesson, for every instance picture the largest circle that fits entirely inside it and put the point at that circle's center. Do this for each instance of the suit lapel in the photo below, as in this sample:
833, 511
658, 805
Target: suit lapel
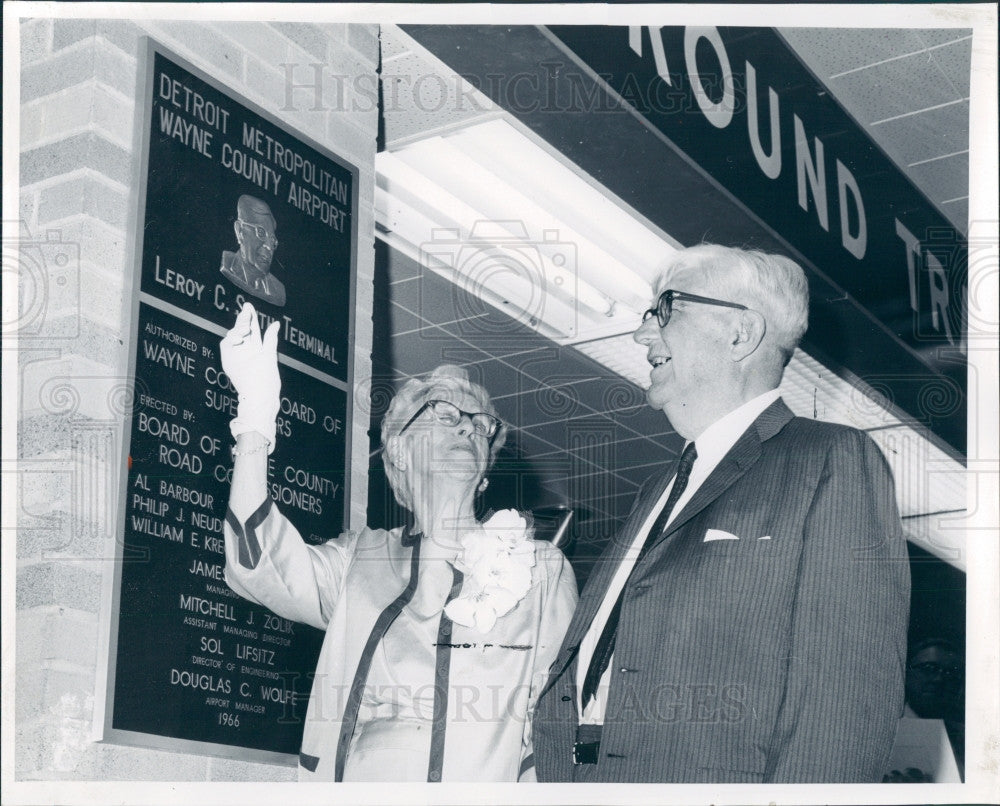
600, 578
741, 457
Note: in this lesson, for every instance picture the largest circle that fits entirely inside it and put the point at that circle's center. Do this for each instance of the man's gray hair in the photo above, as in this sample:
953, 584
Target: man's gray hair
773, 285
412, 395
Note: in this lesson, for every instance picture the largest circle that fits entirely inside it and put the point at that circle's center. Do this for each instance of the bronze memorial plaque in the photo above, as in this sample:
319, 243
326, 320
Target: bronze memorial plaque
232, 207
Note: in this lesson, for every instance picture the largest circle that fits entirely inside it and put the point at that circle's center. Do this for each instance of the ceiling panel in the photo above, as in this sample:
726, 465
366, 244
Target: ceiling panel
460, 319
649, 423
928, 135
637, 475
596, 455
957, 211
614, 507
640, 452
414, 88
569, 432
591, 496
550, 404
502, 379
402, 270
402, 321
603, 394
893, 88
430, 298
542, 449
563, 366
953, 62
417, 355
830, 51
493, 331
946, 178
939, 36
595, 488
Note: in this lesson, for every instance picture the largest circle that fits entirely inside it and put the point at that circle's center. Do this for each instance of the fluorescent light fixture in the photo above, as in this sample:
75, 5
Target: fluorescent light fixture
587, 250
526, 197
445, 230
635, 248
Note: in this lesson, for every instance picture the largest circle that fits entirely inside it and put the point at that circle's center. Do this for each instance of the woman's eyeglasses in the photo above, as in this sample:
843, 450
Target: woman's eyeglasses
485, 425
665, 305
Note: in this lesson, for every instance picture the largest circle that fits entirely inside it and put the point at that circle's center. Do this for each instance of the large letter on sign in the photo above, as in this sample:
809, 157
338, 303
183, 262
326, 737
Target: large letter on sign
721, 113
816, 173
855, 244
770, 164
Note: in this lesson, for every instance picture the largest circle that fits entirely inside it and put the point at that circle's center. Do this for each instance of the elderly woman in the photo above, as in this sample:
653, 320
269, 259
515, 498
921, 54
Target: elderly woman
438, 634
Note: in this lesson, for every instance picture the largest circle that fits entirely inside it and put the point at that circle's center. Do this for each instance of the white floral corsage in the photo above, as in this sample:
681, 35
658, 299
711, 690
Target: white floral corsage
496, 559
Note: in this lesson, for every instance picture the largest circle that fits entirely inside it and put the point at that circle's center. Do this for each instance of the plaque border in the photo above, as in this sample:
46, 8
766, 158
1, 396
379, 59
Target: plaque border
107, 655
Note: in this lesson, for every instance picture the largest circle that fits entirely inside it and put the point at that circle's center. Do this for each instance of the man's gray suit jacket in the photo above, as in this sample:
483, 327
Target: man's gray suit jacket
775, 654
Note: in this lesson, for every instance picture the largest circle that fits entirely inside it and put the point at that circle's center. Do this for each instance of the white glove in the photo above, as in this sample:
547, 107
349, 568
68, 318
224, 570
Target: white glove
252, 365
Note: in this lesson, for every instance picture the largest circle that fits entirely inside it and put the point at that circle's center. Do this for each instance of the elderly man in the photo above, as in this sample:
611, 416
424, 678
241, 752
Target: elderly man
748, 624
250, 267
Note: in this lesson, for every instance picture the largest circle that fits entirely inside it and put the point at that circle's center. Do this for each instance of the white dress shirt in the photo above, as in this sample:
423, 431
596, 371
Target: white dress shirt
712, 445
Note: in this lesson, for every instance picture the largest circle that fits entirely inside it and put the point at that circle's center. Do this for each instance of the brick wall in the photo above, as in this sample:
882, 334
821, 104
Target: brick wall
78, 84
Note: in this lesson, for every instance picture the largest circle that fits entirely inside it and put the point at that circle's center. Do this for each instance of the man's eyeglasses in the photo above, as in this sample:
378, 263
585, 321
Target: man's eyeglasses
485, 425
665, 305
261, 232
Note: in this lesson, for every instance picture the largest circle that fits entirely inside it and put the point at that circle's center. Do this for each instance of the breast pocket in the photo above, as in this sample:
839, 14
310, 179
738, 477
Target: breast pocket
721, 542
732, 561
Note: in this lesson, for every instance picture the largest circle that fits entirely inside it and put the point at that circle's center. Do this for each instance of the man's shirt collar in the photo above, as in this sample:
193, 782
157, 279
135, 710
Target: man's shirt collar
716, 440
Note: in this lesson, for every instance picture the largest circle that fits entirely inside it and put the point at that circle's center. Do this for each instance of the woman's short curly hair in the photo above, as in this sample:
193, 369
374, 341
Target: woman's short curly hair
412, 395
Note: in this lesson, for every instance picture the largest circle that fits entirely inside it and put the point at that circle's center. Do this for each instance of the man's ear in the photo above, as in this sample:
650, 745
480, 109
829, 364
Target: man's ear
239, 232
396, 451
749, 333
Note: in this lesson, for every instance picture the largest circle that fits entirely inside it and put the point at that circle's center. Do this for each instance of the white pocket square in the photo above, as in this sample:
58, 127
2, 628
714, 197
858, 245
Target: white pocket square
718, 534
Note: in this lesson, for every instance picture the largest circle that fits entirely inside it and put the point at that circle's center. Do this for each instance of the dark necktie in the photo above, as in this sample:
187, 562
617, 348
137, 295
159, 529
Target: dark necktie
606, 643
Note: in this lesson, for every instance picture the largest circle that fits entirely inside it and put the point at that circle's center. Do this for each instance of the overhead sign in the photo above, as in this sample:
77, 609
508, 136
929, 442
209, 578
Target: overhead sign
234, 207
740, 103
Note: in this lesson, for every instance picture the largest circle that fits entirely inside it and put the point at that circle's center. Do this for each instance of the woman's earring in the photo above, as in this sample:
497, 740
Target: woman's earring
483, 485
